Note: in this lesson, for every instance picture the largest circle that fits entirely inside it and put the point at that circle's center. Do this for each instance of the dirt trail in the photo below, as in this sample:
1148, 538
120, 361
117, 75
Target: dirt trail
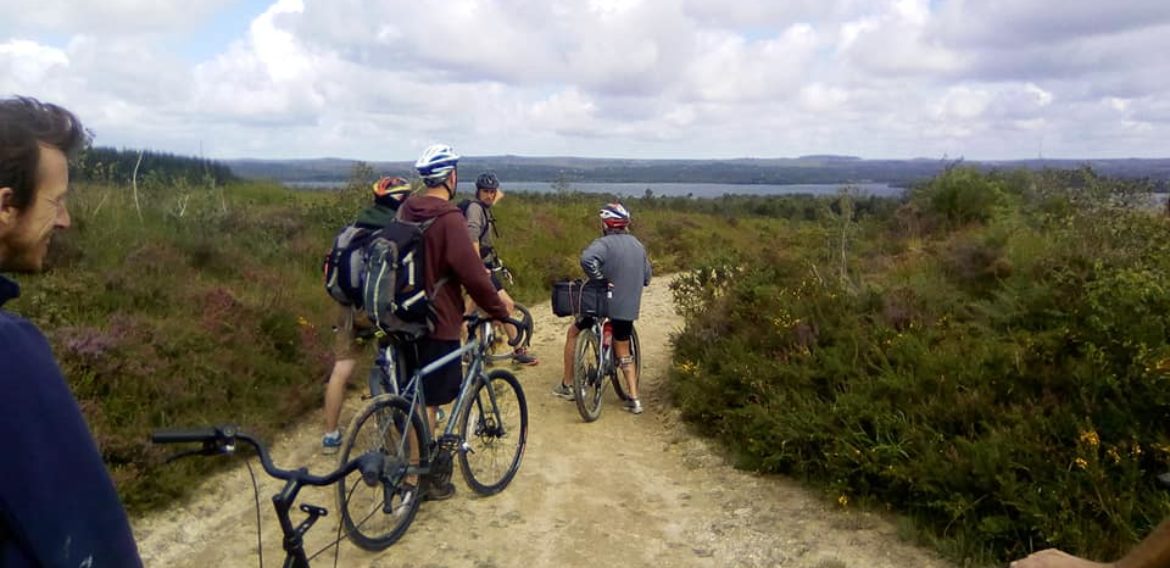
625, 490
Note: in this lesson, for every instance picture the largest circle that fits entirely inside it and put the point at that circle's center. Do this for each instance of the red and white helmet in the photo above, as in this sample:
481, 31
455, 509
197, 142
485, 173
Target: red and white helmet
615, 216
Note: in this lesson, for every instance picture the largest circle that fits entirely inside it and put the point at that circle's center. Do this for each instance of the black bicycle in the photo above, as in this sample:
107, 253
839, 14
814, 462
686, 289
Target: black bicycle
487, 431
218, 440
594, 361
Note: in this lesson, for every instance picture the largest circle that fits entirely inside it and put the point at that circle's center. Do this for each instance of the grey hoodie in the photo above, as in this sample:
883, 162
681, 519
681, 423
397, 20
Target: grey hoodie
621, 259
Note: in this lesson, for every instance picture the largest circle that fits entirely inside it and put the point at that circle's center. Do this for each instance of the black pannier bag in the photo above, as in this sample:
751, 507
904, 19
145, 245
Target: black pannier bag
580, 298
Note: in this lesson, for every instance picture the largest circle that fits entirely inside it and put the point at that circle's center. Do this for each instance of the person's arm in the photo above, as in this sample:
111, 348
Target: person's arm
476, 223
1152, 552
593, 258
468, 268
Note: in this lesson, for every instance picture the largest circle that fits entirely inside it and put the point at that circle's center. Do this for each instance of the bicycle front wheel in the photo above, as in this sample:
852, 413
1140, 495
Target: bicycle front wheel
494, 428
588, 379
376, 513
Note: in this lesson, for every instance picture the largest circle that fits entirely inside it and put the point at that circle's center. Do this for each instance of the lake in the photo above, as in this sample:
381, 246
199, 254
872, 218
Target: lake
699, 190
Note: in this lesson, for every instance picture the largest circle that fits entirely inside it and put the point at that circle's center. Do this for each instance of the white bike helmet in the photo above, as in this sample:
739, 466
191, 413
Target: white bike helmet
436, 163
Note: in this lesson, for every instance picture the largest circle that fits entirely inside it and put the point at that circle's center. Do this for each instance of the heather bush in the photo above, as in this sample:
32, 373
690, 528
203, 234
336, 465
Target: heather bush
1001, 381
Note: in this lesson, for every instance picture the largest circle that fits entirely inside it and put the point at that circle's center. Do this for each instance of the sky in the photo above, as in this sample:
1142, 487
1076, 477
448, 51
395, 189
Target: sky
379, 80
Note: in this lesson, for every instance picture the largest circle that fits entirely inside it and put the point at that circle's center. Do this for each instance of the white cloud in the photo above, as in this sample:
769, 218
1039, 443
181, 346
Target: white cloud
25, 64
378, 79
103, 17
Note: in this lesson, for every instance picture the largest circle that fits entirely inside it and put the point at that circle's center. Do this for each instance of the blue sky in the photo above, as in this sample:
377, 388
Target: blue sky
381, 79
218, 31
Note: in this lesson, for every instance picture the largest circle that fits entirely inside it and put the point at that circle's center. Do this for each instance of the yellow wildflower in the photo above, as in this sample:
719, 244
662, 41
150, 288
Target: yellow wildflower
843, 501
1089, 438
1080, 463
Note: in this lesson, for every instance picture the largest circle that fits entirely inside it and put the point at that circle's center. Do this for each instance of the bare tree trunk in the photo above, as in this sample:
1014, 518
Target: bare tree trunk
134, 184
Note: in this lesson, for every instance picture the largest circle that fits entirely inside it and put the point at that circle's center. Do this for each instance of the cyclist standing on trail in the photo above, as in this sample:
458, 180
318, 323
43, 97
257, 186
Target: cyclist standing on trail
481, 226
620, 258
58, 505
1151, 552
451, 264
389, 192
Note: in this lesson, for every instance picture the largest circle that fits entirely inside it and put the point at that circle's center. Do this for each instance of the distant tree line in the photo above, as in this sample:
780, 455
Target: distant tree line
111, 165
804, 170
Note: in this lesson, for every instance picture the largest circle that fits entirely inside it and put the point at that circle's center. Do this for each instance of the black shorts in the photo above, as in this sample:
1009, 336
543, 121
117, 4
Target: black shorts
622, 329
441, 386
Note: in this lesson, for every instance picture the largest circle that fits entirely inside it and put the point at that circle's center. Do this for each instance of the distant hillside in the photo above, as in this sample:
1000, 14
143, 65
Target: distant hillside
806, 169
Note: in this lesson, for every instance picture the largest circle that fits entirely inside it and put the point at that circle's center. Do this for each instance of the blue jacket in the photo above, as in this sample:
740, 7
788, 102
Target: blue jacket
58, 506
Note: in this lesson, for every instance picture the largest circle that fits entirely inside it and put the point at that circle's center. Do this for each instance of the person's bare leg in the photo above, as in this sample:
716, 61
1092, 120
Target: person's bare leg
335, 391
570, 347
629, 370
508, 328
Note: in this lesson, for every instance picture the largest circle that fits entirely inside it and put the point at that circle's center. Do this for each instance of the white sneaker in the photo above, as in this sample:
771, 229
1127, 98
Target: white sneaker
634, 405
406, 494
563, 391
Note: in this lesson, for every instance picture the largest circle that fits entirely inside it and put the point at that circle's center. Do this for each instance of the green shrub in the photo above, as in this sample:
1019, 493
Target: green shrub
1003, 383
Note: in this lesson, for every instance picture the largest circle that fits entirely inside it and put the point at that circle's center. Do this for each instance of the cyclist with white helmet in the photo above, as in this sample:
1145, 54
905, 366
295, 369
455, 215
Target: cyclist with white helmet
481, 226
389, 192
620, 258
451, 265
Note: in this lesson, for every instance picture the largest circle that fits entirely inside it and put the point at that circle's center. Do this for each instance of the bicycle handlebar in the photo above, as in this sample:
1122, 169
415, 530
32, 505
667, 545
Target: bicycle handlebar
522, 331
222, 440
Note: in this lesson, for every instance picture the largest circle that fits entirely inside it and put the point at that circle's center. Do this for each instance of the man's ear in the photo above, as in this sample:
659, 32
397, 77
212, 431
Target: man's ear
8, 211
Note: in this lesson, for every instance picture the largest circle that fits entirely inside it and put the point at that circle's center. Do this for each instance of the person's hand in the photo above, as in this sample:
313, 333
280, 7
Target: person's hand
1053, 558
509, 304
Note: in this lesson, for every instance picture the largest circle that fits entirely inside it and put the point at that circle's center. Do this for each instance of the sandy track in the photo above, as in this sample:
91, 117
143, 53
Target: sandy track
625, 490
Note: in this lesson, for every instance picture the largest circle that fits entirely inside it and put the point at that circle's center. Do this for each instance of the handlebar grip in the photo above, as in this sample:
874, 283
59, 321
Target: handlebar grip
522, 332
186, 435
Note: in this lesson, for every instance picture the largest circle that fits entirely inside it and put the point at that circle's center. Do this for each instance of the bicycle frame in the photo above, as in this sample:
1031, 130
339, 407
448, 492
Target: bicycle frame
472, 377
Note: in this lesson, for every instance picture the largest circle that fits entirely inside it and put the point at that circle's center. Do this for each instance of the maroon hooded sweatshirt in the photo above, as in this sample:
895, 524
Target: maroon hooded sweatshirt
449, 254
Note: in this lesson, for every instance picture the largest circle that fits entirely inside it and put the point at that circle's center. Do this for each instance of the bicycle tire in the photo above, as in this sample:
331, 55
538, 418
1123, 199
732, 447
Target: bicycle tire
494, 428
377, 427
499, 350
588, 382
619, 386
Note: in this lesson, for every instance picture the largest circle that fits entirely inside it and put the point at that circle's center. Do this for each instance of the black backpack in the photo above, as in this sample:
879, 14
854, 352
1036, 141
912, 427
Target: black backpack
394, 293
345, 265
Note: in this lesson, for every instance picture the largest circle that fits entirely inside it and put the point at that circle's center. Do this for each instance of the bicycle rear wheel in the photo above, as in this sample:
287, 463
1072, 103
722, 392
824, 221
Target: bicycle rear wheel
619, 383
375, 515
588, 379
499, 350
494, 428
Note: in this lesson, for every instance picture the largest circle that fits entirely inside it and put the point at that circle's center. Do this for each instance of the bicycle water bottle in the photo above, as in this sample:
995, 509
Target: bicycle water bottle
606, 335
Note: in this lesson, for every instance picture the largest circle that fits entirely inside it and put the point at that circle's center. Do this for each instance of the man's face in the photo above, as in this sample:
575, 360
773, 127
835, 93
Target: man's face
25, 233
488, 196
